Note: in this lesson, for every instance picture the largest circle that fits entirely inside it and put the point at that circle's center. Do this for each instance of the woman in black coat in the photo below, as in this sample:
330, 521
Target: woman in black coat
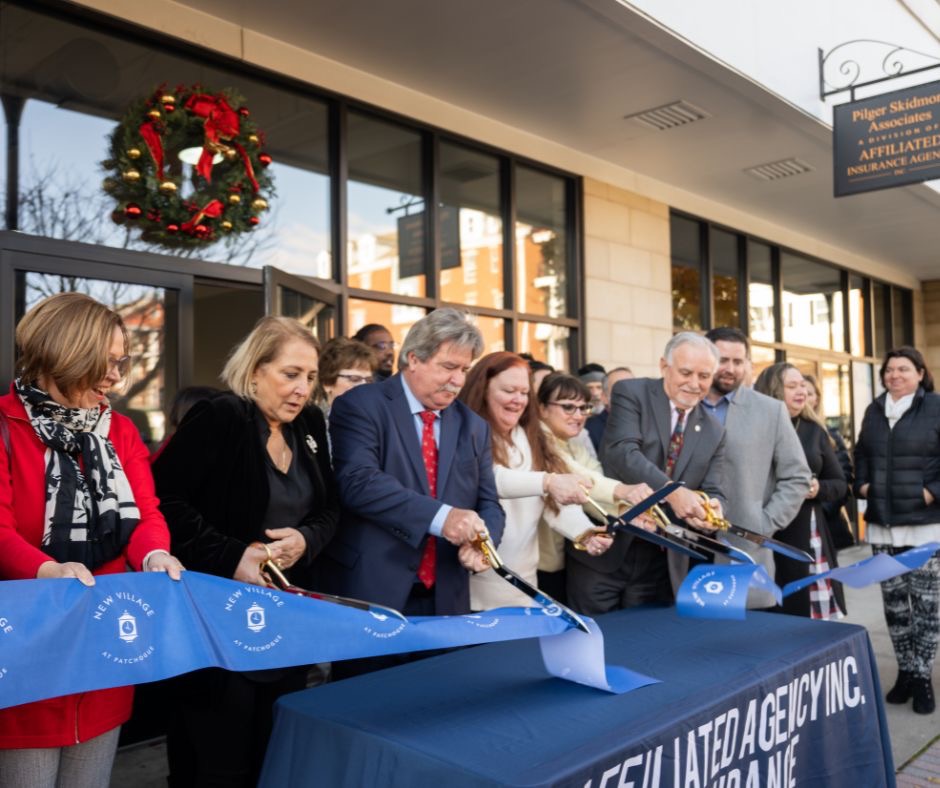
809, 530
245, 478
897, 469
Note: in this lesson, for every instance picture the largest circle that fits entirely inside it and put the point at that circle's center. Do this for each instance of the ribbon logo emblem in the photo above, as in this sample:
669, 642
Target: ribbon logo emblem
127, 627
255, 616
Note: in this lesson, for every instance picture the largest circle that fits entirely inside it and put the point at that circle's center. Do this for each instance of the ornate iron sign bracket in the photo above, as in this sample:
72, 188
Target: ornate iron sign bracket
860, 58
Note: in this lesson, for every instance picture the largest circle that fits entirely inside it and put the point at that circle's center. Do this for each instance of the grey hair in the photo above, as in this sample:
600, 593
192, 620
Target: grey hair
690, 338
611, 372
442, 325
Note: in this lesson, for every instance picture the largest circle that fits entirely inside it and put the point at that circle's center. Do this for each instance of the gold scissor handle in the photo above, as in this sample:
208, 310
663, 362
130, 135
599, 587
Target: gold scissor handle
270, 570
484, 543
711, 516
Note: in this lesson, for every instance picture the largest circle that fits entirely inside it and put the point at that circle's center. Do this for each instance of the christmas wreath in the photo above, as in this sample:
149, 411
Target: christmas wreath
223, 191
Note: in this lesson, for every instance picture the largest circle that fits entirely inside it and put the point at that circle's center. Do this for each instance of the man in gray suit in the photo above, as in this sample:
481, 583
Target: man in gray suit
657, 430
762, 452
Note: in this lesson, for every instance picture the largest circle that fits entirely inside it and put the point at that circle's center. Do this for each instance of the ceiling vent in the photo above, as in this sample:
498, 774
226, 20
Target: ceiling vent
668, 116
775, 170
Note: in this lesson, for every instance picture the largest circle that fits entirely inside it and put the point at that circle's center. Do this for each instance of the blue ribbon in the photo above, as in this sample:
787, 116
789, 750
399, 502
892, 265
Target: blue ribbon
58, 637
720, 591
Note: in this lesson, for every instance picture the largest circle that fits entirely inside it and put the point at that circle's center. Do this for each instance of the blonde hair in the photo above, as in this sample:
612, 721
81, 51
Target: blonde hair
262, 346
770, 382
65, 338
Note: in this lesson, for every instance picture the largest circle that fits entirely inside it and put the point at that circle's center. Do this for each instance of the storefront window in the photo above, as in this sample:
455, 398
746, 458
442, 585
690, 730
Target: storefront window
545, 341
77, 83
723, 253
879, 318
901, 317
541, 243
858, 312
470, 228
760, 292
813, 313
386, 216
397, 318
686, 274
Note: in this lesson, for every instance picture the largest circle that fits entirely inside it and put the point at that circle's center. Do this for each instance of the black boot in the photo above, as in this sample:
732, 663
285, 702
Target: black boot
922, 689
902, 690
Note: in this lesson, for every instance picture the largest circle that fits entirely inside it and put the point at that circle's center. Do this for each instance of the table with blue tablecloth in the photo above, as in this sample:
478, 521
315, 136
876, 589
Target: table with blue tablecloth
772, 700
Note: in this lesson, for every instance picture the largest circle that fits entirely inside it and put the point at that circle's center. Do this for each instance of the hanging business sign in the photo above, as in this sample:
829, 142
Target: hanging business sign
886, 141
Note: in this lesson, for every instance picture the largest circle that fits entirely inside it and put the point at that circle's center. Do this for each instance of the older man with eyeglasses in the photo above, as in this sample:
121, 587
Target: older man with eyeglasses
657, 431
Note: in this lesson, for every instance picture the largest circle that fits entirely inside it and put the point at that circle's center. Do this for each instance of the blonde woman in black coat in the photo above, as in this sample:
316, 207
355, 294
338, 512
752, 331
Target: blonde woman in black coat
897, 469
809, 530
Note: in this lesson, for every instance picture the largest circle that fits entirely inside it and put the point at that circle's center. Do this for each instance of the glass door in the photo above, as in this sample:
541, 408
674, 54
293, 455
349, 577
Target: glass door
311, 301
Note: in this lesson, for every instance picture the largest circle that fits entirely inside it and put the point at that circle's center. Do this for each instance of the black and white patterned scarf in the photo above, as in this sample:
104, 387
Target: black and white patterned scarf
89, 514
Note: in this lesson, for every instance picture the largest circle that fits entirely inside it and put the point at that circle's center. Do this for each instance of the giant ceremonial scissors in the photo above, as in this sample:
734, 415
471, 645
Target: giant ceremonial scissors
724, 526
484, 544
623, 524
276, 578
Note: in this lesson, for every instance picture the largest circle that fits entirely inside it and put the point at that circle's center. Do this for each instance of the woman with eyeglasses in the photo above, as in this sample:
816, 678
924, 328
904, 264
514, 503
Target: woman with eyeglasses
564, 404
246, 479
344, 364
897, 470
76, 501
530, 477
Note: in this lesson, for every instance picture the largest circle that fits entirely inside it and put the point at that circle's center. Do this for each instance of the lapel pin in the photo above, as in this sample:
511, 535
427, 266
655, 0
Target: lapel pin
698, 427
312, 444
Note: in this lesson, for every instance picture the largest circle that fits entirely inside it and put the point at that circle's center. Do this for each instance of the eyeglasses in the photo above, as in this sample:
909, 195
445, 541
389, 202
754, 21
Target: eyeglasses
382, 345
356, 380
120, 365
570, 408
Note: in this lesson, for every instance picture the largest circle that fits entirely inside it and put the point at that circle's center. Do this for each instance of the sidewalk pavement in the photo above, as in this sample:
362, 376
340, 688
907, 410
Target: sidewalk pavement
144, 765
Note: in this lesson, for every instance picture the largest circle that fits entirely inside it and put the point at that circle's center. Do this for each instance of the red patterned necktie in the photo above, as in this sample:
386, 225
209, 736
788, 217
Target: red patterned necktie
675, 443
426, 570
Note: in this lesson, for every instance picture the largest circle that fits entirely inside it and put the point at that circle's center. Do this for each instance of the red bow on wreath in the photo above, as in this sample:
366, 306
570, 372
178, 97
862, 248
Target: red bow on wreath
221, 124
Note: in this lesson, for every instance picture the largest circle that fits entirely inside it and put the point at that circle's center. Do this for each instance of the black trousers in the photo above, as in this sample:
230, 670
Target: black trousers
642, 578
220, 733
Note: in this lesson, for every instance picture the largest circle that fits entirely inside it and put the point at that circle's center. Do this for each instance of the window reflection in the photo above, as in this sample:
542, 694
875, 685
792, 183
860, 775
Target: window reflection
386, 216
760, 292
901, 317
471, 228
81, 80
686, 274
761, 358
723, 253
546, 342
397, 318
879, 318
494, 333
541, 243
149, 313
812, 303
858, 307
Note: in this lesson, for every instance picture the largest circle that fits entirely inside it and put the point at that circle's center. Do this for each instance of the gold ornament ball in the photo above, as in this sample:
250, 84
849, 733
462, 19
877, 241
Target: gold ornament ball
253, 139
259, 204
131, 176
226, 225
133, 153
169, 98
234, 199
154, 114
230, 154
168, 187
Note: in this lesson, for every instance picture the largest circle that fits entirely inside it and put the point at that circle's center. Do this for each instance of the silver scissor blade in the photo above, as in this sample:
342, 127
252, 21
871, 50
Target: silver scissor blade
345, 601
648, 502
705, 542
770, 543
551, 606
669, 541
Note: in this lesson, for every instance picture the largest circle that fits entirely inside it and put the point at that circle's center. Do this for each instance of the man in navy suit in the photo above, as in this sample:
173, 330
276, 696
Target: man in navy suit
406, 527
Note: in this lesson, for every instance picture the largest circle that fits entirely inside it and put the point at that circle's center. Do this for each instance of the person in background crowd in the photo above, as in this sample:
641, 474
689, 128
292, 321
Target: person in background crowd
415, 475
344, 364
897, 469
65, 452
596, 423
185, 398
531, 478
657, 430
538, 369
770, 473
380, 340
563, 406
837, 518
245, 478
592, 375
808, 530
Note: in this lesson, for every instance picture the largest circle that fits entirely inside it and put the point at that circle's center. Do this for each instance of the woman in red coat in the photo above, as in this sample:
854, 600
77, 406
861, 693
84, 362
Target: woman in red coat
64, 452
